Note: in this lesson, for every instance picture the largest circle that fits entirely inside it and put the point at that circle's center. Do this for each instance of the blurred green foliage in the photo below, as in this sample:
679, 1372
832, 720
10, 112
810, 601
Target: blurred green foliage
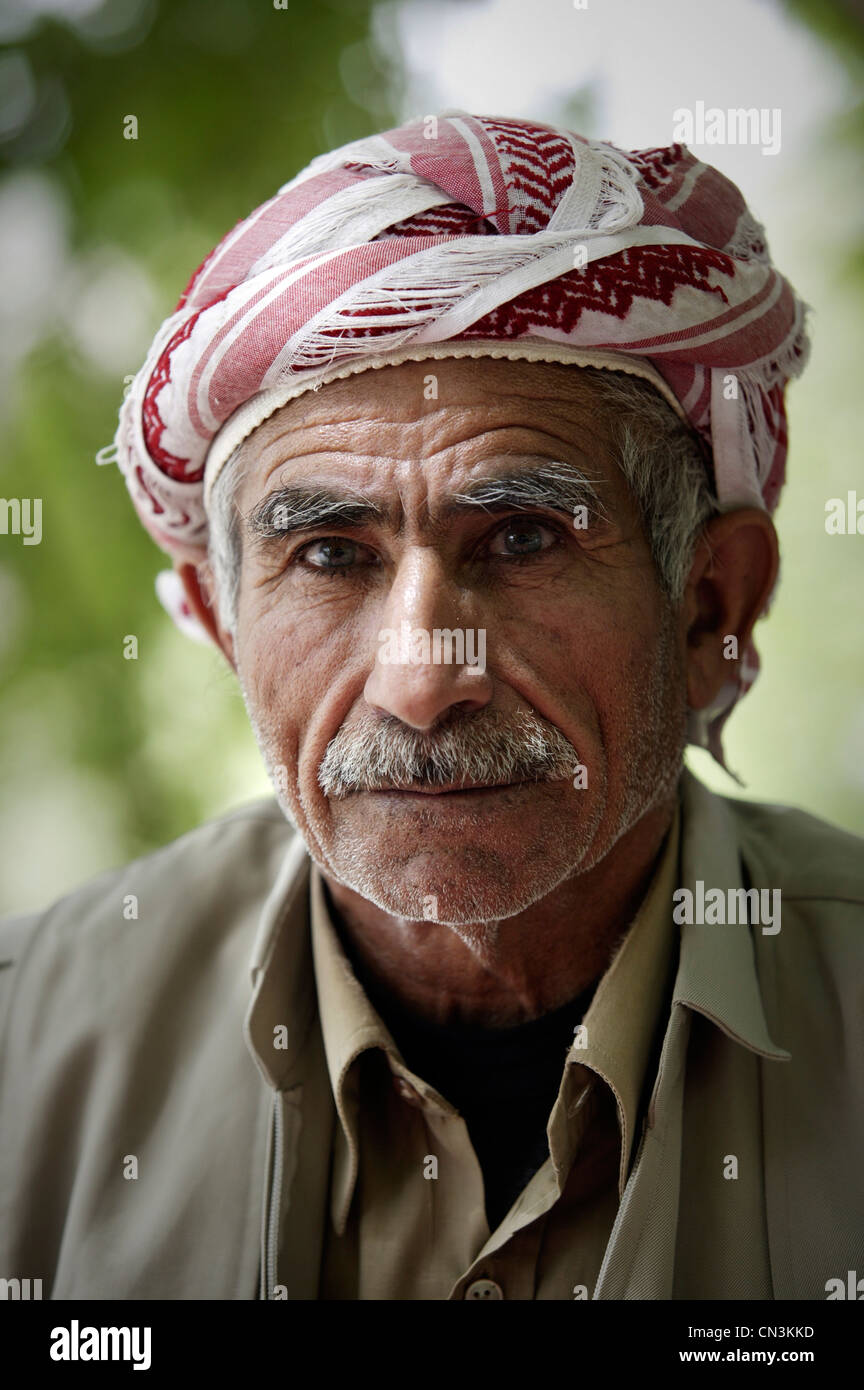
232, 98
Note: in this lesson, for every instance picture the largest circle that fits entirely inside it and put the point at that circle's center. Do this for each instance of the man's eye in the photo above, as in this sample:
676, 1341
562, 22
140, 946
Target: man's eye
334, 553
522, 538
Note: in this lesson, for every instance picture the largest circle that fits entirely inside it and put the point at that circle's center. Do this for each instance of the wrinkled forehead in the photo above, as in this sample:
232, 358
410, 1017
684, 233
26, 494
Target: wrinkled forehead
421, 427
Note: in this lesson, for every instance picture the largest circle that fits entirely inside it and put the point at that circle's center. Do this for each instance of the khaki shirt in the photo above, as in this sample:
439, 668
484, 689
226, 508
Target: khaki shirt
394, 1234
188, 1038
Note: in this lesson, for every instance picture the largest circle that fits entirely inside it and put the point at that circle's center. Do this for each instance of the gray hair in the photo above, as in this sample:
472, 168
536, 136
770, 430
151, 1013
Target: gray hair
666, 465
225, 543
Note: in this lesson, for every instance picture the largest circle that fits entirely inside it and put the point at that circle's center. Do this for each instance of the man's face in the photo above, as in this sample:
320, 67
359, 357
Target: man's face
397, 520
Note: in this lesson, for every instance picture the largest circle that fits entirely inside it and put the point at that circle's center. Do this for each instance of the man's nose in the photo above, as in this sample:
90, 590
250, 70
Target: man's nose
427, 660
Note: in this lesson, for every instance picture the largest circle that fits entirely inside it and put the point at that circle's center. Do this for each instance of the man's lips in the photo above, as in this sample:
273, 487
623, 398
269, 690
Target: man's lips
453, 789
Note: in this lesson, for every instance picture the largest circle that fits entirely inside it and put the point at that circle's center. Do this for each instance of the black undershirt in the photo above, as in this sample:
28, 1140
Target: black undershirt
504, 1083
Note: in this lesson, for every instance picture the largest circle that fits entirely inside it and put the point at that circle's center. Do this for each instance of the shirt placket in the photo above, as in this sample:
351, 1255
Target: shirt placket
506, 1267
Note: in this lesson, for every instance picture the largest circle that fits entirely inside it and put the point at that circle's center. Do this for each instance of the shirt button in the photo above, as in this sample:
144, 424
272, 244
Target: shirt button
484, 1289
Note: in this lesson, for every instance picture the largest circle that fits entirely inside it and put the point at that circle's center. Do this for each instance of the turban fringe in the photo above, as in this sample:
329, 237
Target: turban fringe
485, 236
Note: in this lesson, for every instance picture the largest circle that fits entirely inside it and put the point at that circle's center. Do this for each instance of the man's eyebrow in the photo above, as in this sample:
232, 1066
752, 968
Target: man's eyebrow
289, 509
554, 486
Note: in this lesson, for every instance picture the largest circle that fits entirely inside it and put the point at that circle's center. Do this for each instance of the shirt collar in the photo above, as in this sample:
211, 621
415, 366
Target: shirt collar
622, 1020
350, 1025
349, 1022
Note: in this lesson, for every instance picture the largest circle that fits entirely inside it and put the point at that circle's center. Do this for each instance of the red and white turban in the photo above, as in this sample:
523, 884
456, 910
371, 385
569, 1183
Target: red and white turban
463, 235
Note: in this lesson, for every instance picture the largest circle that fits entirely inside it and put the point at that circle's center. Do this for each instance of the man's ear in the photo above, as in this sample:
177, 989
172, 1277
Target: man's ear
200, 591
733, 573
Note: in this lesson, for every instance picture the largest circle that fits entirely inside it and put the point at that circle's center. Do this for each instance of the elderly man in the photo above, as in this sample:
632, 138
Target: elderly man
464, 446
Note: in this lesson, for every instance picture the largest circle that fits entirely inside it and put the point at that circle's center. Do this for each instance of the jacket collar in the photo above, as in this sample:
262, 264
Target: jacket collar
282, 1008
717, 968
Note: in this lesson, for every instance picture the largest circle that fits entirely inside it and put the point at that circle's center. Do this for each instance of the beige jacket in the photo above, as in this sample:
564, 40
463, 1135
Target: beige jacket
155, 1144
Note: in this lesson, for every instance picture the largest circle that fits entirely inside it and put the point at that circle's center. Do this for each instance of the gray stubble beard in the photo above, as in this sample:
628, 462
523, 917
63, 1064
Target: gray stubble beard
656, 740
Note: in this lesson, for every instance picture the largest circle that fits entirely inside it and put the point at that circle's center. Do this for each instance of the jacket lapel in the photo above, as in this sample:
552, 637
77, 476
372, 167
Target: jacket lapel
716, 977
283, 1034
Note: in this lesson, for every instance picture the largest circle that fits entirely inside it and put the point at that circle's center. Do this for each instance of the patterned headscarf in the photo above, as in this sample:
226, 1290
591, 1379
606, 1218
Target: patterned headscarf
461, 235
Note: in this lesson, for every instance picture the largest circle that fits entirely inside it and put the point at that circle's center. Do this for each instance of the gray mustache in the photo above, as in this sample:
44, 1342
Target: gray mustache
484, 747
